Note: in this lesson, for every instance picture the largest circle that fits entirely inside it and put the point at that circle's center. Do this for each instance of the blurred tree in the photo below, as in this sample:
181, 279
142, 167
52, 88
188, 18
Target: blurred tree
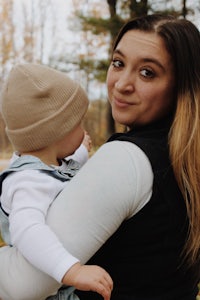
7, 44
28, 34
7, 51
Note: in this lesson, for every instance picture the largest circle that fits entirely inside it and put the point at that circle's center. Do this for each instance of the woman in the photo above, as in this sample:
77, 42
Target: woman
141, 211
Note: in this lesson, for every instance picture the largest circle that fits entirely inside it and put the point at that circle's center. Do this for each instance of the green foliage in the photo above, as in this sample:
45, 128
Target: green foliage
101, 70
115, 24
138, 8
97, 68
101, 25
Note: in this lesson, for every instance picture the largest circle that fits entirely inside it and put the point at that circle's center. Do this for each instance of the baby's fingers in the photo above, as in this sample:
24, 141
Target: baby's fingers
89, 278
108, 280
104, 288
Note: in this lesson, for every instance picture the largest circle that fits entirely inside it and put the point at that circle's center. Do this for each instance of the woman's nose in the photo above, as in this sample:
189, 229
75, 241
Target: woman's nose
124, 84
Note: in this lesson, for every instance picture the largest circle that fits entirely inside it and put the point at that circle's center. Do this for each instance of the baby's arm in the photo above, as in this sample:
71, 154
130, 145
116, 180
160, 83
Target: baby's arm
31, 193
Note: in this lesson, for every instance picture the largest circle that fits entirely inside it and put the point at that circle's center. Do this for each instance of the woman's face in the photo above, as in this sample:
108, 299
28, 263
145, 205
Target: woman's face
140, 79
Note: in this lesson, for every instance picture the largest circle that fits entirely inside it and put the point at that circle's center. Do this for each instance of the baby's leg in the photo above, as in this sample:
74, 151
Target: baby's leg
19, 280
64, 293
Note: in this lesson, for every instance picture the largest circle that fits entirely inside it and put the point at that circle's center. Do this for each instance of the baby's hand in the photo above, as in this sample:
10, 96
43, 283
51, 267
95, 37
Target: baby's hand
89, 278
87, 141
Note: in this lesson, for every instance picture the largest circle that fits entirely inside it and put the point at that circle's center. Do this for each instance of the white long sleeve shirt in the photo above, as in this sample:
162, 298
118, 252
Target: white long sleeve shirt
112, 186
26, 197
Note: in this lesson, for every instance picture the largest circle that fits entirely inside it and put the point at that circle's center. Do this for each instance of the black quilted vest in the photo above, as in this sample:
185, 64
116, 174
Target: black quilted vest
144, 255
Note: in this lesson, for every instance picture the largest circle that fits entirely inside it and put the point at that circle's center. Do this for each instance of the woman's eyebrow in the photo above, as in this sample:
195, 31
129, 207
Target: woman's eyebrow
154, 61
117, 51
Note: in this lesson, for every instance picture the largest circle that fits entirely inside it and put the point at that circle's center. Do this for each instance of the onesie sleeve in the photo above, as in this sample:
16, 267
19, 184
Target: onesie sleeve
81, 155
29, 194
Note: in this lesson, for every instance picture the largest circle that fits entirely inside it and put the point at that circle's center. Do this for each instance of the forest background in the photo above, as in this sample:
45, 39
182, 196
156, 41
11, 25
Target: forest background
74, 36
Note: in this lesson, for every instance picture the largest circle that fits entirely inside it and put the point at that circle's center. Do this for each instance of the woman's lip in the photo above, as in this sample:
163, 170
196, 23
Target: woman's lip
121, 103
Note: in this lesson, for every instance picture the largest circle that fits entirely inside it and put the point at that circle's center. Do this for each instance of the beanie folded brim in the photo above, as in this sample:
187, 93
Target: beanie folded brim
40, 105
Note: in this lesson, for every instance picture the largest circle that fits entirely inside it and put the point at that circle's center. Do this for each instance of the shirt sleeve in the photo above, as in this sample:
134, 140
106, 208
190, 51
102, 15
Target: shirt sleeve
29, 194
114, 185
80, 155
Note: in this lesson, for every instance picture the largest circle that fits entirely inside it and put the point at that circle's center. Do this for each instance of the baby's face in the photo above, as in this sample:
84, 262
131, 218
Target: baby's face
70, 142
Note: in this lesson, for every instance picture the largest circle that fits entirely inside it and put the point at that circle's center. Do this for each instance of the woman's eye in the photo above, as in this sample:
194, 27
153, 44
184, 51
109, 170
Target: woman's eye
117, 63
147, 73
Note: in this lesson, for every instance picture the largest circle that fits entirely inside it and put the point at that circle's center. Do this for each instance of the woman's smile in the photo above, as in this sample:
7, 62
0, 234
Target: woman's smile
122, 103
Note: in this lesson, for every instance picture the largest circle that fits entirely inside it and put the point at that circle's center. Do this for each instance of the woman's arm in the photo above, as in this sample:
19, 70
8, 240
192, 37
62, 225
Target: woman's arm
114, 185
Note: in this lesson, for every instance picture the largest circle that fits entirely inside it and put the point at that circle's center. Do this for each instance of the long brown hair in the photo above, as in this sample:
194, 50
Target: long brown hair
182, 40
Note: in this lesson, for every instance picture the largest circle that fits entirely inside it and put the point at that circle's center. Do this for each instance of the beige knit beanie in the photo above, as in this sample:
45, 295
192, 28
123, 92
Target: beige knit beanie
40, 105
